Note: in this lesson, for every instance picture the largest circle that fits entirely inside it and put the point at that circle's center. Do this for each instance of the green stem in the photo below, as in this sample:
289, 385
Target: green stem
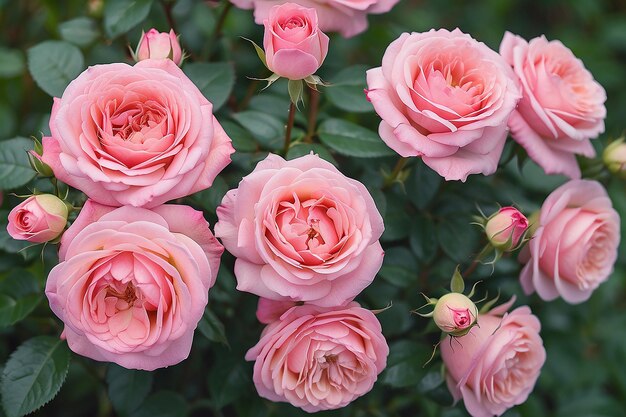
396, 171
167, 8
217, 33
292, 116
314, 101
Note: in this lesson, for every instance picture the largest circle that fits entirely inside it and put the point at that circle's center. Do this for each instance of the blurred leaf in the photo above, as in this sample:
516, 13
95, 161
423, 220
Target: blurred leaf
163, 404
242, 139
11, 62
457, 237
81, 31
127, 388
7, 121
346, 89
210, 198
422, 185
423, 238
352, 140
269, 130
215, 80
399, 267
212, 328
122, 15
15, 171
301, 149
34, 374
54, 64
405, 363
226, 379
396, 218
19, 295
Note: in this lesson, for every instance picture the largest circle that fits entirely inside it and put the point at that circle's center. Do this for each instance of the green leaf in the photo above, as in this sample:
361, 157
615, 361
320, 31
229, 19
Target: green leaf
11, 62
242, 139
122, 15
215, 80
210, 198
127, 388
267, 129
405, 364
163, 404
301, 149
19, 295
422, 185
352, 140
81, 31
226, 378
397, 219
34, 374
399, 267
423, 238
54, 64
457, 237
346, 90
456, 283
15, 171
212, 328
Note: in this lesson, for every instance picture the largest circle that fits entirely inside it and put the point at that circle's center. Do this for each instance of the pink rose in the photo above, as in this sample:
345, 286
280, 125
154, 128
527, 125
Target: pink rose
294, 46
159, 45
270, 310
506, 228
39, 218
575, 245
455, 314
319, 358
349, 17
614, 157
496, 365
446, 98
136, 136
562, 105
133, 283
301, 231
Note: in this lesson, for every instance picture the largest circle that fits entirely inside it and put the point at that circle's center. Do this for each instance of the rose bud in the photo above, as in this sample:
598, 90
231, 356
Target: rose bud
38, 219
614, 157
159, 45
506, 228
294, 45
455, 314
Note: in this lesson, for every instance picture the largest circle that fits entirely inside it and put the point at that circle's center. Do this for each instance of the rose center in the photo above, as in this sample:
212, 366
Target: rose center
294, 22
128, 294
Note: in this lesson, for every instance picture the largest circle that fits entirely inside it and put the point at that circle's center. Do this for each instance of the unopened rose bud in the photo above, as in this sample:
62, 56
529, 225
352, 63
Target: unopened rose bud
159, 45
39, 218
455, 314
506, 228
614, 157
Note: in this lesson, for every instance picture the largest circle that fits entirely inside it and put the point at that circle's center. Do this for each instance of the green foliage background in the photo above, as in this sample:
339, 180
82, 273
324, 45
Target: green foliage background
427, 220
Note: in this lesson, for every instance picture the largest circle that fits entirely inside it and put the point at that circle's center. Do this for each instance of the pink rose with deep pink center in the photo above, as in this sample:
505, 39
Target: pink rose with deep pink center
133, 283
506, 228
137, 136
575, 245
495, 366
562, 105
319, 358
294, 46
301, 231
446, 98
349, 17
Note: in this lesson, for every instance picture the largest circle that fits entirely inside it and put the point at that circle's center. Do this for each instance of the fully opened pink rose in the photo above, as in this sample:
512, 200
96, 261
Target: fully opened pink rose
349, 17
575, 245
301, 231
137, 136
319, 358
446, 98
294, 46
133, 283
562, 107
495, 366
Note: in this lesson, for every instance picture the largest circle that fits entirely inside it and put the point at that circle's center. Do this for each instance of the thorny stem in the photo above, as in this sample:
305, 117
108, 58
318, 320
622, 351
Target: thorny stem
314, 101
292, 116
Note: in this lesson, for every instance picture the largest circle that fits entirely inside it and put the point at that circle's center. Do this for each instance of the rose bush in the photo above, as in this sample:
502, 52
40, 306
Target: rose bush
319, 358
133, 283
301, 231
562, 105
349, 17
495, 366
446, 98
137, 136
574, 248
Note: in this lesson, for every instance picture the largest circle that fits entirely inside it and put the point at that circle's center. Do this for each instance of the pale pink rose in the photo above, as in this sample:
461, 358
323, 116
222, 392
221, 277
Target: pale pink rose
506, 228
133, 283
294, 46
301, 231
319, 358
455, 314
575, 245
39, 218
268, 311
614, 157
159, 45
446, 98
495, 366
348, 17
137, 136
562, 105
